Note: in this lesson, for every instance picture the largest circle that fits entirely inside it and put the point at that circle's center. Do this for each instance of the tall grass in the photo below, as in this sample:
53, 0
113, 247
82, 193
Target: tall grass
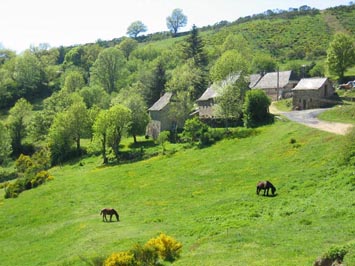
204, 198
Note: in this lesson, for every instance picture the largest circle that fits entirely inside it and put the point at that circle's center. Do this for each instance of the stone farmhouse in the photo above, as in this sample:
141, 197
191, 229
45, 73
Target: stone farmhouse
313, 93
277, 85
207, 102
159, 114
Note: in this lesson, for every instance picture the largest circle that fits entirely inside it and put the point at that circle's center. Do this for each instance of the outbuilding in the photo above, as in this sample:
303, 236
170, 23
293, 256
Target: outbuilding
312, 93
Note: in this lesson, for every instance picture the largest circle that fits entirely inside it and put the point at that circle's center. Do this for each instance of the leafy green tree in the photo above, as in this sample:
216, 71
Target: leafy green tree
120, 121
8, 85
18, 122
110, 126
140, 118
109, 69
78, 122
176, 20
74, 81
60, 138
136, 28
263, 63
340, 54
318, 70
180, 108
100, 128
5, 144
230, 62
231, 93
194, 130
238, 43
95, 95
256, 108
187, 78
28, 75
127, 46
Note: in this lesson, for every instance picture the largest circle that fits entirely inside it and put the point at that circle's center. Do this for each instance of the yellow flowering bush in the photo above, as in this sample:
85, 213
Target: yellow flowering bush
167, 247
120, 259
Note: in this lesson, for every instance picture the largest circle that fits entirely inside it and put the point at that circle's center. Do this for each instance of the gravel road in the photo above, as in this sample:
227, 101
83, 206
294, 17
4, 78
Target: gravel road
309, 118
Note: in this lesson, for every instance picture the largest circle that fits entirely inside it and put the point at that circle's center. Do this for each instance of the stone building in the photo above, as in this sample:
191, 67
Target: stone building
159, 114
313, 93
277, 85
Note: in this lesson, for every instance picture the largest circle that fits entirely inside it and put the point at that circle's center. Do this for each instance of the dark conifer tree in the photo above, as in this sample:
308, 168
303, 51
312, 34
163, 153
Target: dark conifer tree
194, 48
157, 85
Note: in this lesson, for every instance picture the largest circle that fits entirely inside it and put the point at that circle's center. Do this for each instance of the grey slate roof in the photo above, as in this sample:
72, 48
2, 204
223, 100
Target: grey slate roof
211, 92
269, 80
310, 84
254, 79
161, 103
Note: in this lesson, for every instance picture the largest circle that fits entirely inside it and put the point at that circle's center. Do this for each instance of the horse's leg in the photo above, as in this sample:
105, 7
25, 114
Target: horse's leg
111, 217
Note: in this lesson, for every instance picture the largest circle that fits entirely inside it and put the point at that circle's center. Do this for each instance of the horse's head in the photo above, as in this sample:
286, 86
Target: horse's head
273, 190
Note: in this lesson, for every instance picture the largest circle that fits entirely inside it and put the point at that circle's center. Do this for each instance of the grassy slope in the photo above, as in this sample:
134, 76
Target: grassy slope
204, 198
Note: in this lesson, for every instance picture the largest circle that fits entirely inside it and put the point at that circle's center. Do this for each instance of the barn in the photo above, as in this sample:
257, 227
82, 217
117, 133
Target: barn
313, 93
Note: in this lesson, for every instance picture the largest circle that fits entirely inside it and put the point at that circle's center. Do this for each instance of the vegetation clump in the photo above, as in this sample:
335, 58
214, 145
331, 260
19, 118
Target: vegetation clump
163, 246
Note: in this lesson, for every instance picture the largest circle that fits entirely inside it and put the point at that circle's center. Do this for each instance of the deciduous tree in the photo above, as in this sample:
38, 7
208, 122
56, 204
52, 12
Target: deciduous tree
5, 143
18, 122
341, 54
256, 108
108, 70
176, 20
230, 62
136, 28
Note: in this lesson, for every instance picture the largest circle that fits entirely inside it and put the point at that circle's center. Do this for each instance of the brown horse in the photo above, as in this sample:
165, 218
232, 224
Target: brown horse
265, 185
111, 212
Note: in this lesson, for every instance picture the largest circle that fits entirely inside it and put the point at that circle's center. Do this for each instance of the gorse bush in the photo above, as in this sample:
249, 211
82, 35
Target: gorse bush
167, 247
120, 259
32, 171
29, 181
145, 255
163, 246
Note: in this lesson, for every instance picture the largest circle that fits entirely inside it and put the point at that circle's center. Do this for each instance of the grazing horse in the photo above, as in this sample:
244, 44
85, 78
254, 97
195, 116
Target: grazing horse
265, 185
108, 211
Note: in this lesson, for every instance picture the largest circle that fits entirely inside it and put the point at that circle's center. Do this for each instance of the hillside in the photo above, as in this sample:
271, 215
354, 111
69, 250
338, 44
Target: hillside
205, 198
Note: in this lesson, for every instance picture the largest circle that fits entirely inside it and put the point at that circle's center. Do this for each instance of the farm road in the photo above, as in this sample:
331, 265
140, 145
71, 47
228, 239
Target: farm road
309, 118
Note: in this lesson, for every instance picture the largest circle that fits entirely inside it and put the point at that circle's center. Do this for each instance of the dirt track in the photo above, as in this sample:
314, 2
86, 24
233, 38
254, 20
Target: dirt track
309, 118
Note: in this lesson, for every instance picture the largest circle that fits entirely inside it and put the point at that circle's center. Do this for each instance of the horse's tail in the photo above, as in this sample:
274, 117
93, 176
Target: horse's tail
101, 212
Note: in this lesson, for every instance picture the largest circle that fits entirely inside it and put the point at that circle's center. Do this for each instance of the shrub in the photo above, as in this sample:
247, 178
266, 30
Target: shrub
120, 259
145, 255
336, 253
6, 175
255, 109
23, 163
163, 138
167, 247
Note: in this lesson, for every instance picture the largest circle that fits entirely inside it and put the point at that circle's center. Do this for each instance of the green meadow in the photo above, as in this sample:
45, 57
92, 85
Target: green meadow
204, 198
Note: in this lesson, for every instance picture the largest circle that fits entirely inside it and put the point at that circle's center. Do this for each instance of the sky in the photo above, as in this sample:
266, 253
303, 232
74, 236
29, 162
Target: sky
69, 22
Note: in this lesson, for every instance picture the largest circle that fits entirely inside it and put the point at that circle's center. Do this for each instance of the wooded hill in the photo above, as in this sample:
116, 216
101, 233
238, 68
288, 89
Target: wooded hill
292, 38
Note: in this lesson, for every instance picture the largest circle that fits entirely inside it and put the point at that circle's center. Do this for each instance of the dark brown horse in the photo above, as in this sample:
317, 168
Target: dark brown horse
265, 185
111, 212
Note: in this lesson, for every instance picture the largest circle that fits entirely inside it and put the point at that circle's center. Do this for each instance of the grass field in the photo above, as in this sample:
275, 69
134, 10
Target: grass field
204, 198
